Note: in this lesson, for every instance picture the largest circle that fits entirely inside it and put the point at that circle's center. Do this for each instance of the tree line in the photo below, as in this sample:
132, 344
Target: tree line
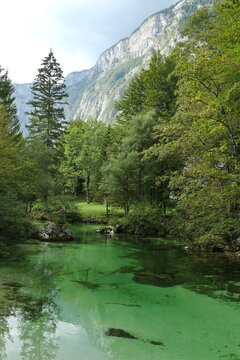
170, 159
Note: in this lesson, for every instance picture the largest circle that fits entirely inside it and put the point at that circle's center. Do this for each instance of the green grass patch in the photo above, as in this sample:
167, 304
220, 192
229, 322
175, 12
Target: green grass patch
96, 212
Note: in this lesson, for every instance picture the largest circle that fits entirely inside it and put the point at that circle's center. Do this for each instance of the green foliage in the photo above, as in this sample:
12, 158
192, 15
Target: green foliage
137, 173
8, 149
14, 224
47, 117
38, 177
151, 90
60, 209
7, 101
144, 219
84, 148
132, 101
171, 161
191, 155
72, 142
206, 129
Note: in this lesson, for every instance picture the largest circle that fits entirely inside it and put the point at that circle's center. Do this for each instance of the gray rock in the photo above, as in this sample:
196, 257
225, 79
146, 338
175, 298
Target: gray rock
54, 232
106, 230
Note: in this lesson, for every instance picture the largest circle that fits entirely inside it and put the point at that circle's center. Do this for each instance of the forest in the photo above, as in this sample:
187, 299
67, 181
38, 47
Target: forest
170, 160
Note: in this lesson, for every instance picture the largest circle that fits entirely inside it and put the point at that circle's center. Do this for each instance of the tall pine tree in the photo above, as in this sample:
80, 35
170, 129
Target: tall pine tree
7, 100
48, 90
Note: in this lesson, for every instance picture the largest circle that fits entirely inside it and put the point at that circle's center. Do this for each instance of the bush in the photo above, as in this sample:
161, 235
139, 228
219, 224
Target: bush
14, 223
58, 210
143, 219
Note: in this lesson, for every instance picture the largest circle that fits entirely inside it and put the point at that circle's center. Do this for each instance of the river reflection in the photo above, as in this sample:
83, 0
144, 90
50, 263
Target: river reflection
106, 298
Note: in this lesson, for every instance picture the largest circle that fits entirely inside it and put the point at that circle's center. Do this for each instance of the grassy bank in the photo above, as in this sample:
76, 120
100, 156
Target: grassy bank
96, 212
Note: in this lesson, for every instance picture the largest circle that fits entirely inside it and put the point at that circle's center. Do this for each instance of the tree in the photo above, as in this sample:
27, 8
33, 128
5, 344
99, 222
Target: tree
84, 151
152, 90
70, 169
7, 100
38, 179
13, 222
8, 149
92, 156
206, 129
48, 91
133, 99
130, 177
160, 85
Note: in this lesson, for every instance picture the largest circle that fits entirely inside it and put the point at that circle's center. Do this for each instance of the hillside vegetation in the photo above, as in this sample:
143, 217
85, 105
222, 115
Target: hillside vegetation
171, 161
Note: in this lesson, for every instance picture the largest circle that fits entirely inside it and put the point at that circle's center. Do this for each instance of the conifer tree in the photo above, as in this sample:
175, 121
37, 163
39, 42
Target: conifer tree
7, 100
48, 90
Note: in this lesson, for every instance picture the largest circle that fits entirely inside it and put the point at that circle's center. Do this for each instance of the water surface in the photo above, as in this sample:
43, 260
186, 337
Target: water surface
60, 300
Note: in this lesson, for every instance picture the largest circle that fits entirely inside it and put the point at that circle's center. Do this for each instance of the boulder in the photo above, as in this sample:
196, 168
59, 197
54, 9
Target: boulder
120, 229
54, 232
235, 245
106, 230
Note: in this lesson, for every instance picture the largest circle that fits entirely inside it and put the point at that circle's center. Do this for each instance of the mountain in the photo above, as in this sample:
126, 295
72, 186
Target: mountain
92, 92
22, 96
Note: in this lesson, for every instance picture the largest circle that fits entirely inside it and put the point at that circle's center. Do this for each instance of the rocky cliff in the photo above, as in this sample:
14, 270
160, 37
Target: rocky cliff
92, 92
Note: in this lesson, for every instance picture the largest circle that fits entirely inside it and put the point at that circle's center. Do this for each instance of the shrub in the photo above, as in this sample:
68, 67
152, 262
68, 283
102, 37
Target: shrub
143, 219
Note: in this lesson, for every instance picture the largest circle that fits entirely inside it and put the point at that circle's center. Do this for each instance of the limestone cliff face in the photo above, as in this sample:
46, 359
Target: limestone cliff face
102, 85
92, 92
22, 96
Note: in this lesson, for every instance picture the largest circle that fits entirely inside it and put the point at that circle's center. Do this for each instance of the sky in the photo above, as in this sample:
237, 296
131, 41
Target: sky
78, 31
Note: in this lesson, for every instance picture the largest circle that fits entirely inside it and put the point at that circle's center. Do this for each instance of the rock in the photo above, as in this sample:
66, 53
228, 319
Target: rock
127, 269
87, 284
119, 229
149, 278
235, 245
159, 343
119, 333
124, 334
106, 230
54, 232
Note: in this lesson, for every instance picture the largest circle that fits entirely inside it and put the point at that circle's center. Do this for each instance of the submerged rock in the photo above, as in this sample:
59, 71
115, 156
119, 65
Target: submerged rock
127, 269
119, 333
87, 284
124, 334
149, 278
128, 305
54, 232
159, 343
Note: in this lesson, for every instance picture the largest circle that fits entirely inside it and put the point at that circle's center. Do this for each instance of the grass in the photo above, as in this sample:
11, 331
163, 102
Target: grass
77, 209
97, 211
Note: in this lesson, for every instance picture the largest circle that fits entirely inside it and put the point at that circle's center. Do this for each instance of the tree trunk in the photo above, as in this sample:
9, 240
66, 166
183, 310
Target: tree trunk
88, 188
107, 208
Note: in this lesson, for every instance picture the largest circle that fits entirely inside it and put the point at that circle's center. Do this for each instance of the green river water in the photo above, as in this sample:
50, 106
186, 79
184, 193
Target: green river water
58, 301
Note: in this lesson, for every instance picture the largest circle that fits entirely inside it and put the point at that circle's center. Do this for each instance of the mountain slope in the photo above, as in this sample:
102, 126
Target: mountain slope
92, 92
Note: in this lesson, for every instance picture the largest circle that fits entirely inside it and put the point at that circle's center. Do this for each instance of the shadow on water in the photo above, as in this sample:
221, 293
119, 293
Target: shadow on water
165, 264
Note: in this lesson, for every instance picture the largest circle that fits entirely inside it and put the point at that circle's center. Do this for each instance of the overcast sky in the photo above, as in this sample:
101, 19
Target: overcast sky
77, 30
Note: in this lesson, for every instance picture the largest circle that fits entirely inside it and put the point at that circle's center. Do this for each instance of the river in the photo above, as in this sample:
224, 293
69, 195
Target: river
118, 298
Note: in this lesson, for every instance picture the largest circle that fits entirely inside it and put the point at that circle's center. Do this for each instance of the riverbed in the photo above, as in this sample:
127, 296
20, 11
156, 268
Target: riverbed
106, 297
